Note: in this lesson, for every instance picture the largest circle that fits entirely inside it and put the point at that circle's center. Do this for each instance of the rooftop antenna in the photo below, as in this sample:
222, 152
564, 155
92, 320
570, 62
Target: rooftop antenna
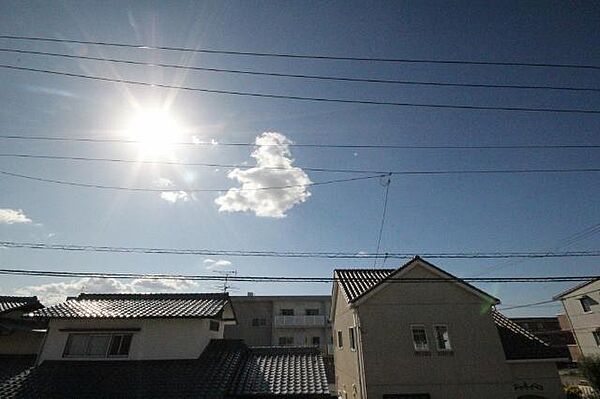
226, 286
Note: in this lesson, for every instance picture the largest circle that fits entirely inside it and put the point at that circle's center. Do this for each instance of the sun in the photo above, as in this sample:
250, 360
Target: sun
156, 132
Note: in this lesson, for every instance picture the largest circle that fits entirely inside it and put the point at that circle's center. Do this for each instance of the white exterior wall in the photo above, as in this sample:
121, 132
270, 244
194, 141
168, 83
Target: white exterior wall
584, 324
157, 339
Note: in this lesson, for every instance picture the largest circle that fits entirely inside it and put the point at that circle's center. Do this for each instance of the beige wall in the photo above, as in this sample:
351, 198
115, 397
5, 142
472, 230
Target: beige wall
584, 323
346, 361
157, 338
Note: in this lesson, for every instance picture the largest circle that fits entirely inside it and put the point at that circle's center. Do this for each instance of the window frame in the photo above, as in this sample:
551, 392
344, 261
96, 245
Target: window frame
586, 301
352, 338
340, 339
318, 338
422, 327
258, 322
89, 337
435, 336
287, 312
596, 335
312, 312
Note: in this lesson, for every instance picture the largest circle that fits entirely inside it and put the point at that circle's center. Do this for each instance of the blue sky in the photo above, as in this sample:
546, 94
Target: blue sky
426, 213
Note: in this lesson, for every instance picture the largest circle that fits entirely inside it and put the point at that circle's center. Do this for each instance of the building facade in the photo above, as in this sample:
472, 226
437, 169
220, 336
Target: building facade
282, 321
401, 334
549, 330
582, 317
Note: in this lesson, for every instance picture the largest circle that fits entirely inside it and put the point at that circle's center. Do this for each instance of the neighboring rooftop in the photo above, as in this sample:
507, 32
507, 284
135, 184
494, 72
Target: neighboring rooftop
520, 344
12, 365
226, 369
575, 288
24, 303
118, 306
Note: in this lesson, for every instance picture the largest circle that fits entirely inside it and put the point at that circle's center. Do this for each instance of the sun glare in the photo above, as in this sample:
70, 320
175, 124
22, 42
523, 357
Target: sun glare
156, 131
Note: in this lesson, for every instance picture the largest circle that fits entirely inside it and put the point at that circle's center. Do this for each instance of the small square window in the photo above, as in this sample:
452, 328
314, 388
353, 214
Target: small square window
214, 325
442, 338
340, 339
316, 341
419, 336
286, 312
286, 341
312, 312
596, 335
586, 303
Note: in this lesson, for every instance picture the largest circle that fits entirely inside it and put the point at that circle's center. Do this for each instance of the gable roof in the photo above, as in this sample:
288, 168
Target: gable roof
25, 303
121, 306
573, 289
520, 344
226, 368
357, 283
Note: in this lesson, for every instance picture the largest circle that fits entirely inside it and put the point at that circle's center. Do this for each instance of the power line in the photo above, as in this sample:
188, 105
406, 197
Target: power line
386, 183
306, 168
296, 279
527, 305
295, 254
191, 190
310, 145
304, 98
301, 56
301, 76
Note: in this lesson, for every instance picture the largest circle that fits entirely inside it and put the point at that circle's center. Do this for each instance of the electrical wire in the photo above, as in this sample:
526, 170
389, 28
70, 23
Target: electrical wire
310, 145
387, 183
300, 76
301, 56
305, 98
305, 168
295, 254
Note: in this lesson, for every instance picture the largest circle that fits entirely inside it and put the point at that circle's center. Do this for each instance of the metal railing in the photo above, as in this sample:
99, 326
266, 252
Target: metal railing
299, 321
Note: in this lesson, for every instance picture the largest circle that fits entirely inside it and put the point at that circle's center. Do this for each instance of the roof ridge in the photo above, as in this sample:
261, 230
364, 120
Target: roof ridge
150, 295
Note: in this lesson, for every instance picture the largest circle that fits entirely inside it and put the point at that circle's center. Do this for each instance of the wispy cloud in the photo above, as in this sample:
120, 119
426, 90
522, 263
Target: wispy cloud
272, 151
211, 264
174, 196
53, 293
12, 216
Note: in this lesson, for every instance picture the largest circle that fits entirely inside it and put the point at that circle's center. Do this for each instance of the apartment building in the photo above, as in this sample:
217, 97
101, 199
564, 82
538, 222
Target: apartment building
159, 346
582, 317
282, 321
401, 333
549, 330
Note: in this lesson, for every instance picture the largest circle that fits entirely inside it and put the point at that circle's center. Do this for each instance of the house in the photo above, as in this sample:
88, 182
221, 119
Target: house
159, 346
20, 340
283, 321
582, 317
549, 330
418, 332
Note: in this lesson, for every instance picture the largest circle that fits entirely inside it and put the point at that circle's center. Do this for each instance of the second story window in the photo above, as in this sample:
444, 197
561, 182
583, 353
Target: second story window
312, 312
442, 339
352, 337
419, 336
286, 312
586, 303
98, 345
340, 339
286, 341
596, 335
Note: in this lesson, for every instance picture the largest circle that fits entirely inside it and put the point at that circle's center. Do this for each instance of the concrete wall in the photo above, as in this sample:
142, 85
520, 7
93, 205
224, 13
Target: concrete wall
536, 378
157, 338
583, 323
347, 372
245, 311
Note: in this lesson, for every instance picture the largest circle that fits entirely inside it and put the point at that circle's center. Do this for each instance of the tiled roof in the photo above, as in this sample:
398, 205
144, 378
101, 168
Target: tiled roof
11, 365
282, 371
10, 303
358, 282
520, 344
137, 306
223, 370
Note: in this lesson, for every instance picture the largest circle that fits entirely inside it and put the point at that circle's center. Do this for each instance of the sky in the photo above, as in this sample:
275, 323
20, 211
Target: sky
426, 214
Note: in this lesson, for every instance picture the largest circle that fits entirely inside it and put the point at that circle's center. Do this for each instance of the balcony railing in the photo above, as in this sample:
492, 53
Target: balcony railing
299, 321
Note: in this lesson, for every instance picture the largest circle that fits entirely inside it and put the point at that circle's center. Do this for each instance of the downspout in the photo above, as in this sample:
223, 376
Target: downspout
359, 352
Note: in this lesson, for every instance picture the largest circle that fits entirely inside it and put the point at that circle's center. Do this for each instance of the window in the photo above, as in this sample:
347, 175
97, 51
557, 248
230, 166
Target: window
316, 341
259, 322
214, 325
586, 303
352, 338
442, 339
286, 341
340, 339
419, 336
98, 345
596, 335
312, 312
286, 312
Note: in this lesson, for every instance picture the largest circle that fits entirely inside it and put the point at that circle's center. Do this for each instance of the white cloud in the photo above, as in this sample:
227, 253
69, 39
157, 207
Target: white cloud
213, 264
53, 293
267, 203
174, 196
11, 216
164, 182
